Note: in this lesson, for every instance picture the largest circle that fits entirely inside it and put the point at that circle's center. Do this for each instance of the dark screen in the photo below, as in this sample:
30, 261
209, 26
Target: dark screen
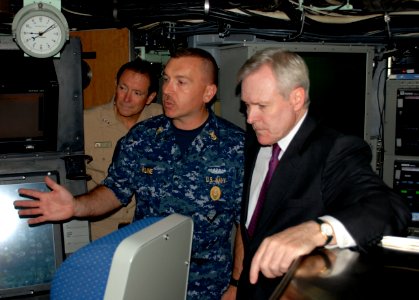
29, 96
338, 89
21, 116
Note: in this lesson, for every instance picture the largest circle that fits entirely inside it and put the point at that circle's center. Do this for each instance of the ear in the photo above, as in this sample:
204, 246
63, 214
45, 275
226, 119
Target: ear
297, 98
209, 93
151, 97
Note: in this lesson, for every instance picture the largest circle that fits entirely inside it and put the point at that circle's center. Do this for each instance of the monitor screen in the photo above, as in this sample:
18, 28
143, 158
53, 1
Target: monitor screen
341, 89
406, 141
29, 255
29, 100
18, 122
338, 89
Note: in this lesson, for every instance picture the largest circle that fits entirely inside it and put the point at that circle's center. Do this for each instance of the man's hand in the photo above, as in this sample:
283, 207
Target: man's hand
56, 205
277, 252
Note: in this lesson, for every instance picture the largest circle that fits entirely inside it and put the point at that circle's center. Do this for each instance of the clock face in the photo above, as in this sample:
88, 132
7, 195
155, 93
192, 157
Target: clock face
41, 35
40, 30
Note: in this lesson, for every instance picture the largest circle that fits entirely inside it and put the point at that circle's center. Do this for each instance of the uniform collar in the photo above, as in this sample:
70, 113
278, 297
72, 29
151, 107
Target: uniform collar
209, 133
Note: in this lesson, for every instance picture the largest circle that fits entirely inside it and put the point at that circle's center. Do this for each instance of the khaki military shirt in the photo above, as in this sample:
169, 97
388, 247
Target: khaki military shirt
102, 131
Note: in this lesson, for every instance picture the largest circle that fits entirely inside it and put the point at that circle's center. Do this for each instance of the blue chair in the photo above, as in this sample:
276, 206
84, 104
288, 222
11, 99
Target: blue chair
148, 259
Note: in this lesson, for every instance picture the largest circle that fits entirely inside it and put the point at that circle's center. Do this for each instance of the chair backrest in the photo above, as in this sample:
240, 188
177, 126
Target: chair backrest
148, 259
153, 263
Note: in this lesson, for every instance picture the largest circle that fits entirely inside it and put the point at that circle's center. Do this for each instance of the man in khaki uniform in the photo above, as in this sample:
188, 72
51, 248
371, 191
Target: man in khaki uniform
136, 88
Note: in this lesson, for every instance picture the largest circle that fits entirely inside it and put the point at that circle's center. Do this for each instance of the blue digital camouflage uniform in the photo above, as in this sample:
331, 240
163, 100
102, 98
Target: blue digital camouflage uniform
204, 183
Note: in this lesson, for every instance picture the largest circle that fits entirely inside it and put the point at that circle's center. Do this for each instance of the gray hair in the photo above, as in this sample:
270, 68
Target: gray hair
289, 68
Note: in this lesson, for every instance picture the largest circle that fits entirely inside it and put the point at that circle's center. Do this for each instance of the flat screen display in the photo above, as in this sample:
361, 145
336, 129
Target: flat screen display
21, 116
29, 100
407, 123
341, 84
338, 89
29, 255
28, 121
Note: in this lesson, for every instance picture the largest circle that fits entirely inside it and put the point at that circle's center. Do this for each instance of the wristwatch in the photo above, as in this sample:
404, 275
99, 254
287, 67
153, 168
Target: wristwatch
326, 229
234, 282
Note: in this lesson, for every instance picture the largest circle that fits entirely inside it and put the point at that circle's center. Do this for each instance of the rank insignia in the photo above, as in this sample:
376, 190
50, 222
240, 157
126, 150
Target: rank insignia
213, 136
159, 130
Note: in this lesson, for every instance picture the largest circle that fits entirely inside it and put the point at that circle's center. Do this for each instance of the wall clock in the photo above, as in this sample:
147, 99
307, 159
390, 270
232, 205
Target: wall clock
40, 30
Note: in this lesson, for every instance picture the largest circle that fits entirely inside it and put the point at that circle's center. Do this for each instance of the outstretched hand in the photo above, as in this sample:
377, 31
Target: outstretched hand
55, 205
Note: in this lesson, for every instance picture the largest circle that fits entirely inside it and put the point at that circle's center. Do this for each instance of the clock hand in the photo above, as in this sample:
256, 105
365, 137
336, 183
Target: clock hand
42, 32
48, 29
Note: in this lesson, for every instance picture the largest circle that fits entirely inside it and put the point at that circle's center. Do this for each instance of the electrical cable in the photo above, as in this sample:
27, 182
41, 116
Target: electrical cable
277, 20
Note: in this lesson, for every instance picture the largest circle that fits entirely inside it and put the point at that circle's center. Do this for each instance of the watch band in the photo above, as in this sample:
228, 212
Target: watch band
234, 282
328, 237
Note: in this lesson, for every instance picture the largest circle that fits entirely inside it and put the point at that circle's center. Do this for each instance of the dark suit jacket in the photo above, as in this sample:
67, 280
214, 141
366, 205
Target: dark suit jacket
321, 173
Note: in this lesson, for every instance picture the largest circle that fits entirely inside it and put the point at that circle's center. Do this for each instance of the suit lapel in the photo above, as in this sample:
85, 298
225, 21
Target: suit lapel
286, 173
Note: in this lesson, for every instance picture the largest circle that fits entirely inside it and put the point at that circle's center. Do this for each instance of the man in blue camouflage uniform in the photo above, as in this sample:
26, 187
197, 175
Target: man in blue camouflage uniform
205, 183
188, 161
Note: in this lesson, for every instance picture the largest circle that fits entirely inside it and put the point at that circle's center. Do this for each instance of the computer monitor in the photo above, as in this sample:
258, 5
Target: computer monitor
29, 255
153, 263
147, 259
34, 128
340, 84
37, 96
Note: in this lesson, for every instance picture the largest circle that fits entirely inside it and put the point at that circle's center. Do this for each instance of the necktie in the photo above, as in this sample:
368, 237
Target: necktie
273, 163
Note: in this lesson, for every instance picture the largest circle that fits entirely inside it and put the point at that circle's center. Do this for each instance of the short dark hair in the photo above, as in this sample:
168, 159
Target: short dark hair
142, 67
200, 53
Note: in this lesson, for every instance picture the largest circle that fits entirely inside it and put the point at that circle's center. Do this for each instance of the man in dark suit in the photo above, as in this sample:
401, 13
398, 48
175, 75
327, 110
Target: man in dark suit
323, 191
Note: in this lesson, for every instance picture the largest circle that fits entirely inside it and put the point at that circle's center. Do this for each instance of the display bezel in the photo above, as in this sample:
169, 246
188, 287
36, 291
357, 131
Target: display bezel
27, 244
35, 80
